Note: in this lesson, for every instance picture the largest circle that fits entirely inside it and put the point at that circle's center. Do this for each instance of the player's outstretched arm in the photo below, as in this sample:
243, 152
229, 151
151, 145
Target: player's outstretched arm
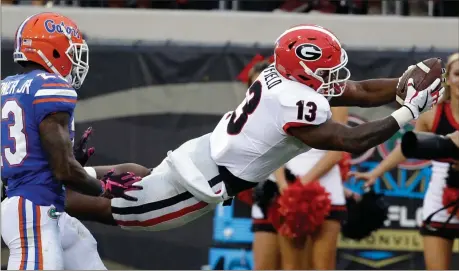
331, 135
367, 93
376, 92
335, 136
55, 139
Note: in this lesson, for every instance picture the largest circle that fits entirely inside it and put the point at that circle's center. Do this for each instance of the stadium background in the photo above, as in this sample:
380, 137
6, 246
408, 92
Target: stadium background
157, 80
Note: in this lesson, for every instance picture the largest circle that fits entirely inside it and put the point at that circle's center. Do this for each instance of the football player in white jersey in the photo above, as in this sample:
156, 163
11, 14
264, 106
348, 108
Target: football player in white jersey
286, 112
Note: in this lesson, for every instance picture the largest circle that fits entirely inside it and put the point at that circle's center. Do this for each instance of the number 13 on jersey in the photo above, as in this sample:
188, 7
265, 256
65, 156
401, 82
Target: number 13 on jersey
14, 139
240, 116
311, 111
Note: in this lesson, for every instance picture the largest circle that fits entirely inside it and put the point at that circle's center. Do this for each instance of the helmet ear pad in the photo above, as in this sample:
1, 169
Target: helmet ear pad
54, 57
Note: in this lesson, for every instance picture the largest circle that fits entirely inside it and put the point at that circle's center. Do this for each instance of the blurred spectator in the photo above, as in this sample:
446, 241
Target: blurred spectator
250, 5
198, 4
418, 8
414, 7
399, 7
23, 2
446, 8
157, 4
325, 6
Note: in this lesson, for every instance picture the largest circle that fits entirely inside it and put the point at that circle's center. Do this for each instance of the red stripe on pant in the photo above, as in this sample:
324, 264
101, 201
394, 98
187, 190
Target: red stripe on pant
164, 218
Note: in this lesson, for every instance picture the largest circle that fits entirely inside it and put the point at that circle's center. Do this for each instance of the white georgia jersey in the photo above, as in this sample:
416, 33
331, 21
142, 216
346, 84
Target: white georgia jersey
252, 142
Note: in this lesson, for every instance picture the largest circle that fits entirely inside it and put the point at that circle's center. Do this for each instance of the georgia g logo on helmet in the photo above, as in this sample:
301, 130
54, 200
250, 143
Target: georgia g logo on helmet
308, 52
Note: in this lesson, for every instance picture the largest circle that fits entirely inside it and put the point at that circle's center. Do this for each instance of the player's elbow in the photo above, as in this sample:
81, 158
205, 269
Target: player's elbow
62, 174
65, 172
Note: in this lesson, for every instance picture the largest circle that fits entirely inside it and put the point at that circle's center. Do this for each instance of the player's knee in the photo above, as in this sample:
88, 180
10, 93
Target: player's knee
73, 233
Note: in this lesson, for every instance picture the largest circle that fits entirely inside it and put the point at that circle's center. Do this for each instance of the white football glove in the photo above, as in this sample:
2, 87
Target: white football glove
419, 101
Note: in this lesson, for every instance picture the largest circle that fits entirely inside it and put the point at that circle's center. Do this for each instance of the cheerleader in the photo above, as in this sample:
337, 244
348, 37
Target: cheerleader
318, 250
440, 228
273, 251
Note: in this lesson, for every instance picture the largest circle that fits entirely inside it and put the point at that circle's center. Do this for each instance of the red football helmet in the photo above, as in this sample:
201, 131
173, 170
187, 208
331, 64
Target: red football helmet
312, 55
54, 42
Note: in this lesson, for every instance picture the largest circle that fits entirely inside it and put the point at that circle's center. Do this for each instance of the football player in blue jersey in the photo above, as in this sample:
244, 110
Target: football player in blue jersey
37, 132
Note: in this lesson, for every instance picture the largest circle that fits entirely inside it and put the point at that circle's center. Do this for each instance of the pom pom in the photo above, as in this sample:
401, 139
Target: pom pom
246, 196
243, 76
300, 210
451, 195
345, 165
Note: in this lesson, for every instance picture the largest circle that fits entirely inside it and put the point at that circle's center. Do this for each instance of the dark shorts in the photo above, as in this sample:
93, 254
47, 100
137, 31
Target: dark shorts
450, 231
262, 223
338, 213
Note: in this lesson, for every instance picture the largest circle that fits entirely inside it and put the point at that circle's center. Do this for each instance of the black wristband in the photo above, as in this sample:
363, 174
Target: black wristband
421, 145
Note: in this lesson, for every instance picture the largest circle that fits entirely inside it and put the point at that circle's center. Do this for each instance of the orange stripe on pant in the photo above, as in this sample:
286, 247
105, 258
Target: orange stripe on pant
22, 225
38, 245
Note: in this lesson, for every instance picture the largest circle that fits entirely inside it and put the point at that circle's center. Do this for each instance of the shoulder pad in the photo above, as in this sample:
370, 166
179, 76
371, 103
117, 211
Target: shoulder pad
293, 93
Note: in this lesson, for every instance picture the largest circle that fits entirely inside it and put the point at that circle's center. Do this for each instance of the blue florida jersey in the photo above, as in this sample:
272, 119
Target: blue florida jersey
26, 100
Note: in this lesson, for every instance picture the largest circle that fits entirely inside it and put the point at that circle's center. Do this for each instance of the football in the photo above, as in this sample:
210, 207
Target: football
424, 73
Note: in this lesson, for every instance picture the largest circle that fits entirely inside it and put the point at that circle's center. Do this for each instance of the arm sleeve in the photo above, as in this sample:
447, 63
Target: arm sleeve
421, 145
53, 95
301, 108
